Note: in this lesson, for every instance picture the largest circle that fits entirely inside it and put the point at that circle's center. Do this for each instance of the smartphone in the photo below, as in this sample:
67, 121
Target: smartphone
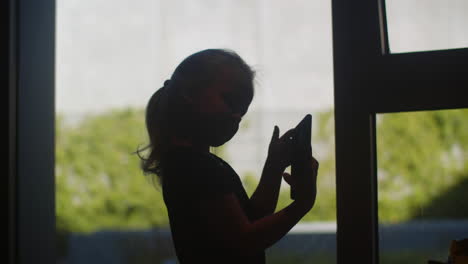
301, 142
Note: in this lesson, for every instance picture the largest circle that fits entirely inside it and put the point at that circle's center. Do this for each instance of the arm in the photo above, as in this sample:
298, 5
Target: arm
229, 225
225, 221
264, 199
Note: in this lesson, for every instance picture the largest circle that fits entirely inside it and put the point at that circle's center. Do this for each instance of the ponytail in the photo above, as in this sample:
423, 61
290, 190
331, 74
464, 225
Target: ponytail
157, 124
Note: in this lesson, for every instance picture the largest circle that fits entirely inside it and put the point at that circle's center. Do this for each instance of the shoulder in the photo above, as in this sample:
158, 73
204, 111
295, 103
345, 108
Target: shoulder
186, 159
196, 175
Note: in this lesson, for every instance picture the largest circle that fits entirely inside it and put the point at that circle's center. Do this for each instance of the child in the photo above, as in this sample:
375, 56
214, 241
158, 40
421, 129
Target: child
212, 219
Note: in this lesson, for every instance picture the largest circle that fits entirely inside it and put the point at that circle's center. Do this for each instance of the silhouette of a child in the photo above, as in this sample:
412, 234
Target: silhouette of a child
212, 219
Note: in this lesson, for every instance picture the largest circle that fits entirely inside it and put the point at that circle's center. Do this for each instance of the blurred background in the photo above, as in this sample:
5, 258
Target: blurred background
112, 55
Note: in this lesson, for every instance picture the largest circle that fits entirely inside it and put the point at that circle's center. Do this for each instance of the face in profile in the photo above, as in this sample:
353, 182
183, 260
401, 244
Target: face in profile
220, 109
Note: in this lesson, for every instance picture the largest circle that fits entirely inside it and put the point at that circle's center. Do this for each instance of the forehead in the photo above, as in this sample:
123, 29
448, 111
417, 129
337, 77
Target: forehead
234, 80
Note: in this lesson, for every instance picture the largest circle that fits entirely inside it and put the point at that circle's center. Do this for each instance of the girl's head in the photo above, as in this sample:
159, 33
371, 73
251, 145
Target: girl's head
202, 104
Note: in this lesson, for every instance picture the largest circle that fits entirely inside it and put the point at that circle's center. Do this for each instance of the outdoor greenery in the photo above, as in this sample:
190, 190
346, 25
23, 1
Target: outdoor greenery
98, 181
422, 167
423, 161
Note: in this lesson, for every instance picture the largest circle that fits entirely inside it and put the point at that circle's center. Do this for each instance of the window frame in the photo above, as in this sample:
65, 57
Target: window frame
369, 80
31, 118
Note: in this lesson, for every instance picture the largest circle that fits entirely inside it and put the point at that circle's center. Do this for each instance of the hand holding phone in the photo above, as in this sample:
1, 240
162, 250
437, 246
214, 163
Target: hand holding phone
301, 146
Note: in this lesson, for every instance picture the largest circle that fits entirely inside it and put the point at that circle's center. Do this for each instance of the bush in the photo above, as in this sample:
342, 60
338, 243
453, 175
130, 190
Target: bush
99, 185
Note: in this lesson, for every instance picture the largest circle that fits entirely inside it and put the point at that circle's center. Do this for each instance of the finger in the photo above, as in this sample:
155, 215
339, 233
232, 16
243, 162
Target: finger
308, 152
288, 178
275, 133
288, 134
315, 163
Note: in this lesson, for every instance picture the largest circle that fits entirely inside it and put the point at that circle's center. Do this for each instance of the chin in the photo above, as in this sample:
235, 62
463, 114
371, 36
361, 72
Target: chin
216, 144
221, 139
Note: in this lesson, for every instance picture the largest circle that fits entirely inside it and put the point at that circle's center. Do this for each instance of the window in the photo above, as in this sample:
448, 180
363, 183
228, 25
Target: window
111, 58
422, 182
419, 25
369, 80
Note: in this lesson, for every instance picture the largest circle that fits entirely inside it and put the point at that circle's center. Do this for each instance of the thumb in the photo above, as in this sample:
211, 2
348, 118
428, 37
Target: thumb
288, 178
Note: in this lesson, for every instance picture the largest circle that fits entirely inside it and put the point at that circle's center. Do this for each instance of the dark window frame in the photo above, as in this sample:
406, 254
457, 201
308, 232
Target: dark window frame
370, 80
31, 114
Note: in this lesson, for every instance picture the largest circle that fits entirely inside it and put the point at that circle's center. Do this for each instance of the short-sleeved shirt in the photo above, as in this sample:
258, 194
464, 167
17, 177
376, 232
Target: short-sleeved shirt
190, 177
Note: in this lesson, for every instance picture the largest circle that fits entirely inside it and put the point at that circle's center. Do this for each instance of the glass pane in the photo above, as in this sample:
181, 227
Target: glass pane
422, 184
112, 56
420, 25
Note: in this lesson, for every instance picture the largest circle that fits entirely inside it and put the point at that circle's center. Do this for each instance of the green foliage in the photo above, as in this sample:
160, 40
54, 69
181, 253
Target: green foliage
98, 180
420, 156
250, 182
450, 203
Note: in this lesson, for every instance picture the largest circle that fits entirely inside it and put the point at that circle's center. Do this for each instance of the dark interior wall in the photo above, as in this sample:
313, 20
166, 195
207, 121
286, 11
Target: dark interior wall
9, 117
28, 70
